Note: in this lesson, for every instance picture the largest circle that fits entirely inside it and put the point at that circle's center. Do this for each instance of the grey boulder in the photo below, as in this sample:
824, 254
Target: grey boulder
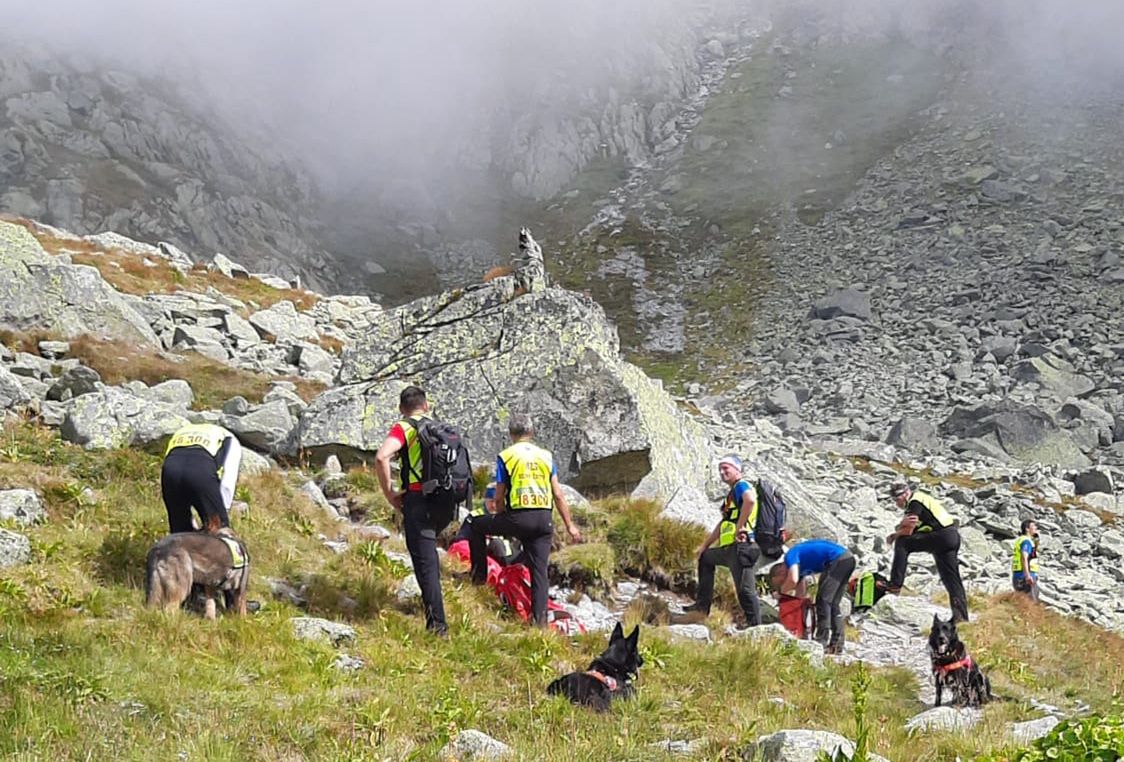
22, 506
15, 549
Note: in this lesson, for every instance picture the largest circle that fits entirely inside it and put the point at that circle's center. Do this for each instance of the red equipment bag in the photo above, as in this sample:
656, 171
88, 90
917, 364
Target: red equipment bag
798, 615
513, 586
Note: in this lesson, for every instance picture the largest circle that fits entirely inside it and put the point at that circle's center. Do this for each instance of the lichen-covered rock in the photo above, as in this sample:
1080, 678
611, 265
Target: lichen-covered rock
314, 628
74, 382
12, 394
800, 746
38, 291
482, 355
944, 718
22, 506
284, 323
15, 549
266, 427
473, 745
115, 418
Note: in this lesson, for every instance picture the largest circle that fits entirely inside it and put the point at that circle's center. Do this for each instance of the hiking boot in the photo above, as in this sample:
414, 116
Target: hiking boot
253, 607
692, 607
893, 590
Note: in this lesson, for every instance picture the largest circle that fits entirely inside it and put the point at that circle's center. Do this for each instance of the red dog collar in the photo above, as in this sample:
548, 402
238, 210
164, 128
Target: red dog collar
965, 663
609, 682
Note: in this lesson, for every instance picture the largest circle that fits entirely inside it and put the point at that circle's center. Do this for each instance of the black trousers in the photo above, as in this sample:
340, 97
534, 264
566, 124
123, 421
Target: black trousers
833, 583
739, 558
189, 479
422, 520
534, 530
944, 544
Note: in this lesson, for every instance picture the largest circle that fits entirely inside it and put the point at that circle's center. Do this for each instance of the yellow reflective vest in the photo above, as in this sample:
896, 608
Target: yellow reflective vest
206, 435
1017, 556
942, 517
411, 469
727, 533
528, 470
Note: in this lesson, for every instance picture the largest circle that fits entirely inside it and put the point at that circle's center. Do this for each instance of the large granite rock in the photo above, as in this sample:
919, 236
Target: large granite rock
115, 418
483, 354
38, 291
12, 394
1024, 432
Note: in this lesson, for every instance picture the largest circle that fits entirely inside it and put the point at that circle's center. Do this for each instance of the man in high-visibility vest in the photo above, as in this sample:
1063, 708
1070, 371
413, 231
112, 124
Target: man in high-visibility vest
527, 489
423, 516
929, 528
1024, 559
200, 471
730, 544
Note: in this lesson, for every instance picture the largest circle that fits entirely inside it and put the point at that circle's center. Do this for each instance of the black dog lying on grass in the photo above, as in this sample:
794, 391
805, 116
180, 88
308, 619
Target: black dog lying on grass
953, 669
609, 676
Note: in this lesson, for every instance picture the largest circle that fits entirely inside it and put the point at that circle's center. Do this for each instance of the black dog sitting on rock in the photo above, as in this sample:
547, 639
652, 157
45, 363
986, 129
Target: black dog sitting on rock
954, 670
609, 676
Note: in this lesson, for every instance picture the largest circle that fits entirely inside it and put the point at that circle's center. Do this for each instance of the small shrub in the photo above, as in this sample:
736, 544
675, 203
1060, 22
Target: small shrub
589, 565
121, 557
1099, 738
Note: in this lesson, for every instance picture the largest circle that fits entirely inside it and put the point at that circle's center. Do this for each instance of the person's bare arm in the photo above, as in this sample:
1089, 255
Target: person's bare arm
748, 501
501, 497
710, 539
564, 509
386, 451
1026, 566
792, 583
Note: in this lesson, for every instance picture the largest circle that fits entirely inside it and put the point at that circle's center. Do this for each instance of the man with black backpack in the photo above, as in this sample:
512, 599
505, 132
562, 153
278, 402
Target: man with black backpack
769, 528
527, 489
436, 475
730, 544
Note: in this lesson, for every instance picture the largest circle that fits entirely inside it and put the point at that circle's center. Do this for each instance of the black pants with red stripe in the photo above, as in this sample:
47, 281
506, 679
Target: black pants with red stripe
189, 479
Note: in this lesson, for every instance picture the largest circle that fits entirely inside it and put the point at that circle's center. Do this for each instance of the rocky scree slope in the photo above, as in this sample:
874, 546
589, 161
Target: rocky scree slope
91, 149
966, 295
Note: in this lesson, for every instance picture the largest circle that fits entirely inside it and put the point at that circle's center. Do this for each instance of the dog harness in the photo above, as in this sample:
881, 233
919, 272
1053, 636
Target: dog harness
943, 669
238, 558
610, 682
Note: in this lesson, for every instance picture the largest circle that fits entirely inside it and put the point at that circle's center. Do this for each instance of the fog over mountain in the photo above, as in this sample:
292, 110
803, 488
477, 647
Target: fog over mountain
442, 114
361, 88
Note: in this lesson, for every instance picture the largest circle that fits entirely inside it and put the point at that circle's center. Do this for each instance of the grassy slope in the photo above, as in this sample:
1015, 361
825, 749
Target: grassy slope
87, 672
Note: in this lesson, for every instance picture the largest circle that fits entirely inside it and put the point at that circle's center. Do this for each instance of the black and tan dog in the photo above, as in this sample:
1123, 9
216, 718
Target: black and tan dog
214, 559
954, 670
609, 676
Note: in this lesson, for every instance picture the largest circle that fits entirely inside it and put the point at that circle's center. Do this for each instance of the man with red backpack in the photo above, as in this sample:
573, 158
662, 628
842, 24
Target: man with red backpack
527, 490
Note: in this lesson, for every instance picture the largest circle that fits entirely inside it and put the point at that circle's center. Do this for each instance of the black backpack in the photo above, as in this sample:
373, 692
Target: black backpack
769, 530
446, 469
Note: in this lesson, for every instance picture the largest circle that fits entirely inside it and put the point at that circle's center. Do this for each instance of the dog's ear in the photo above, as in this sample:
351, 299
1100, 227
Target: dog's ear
634, 636
618, 633
936, 619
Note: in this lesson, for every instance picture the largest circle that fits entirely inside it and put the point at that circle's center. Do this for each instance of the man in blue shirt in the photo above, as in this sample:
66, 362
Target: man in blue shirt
834, 564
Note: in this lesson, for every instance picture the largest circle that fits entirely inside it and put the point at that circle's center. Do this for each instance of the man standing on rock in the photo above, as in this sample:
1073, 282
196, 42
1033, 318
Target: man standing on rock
1024, 561
200, 471
733, 545
527, 489
423, 516
929, 528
